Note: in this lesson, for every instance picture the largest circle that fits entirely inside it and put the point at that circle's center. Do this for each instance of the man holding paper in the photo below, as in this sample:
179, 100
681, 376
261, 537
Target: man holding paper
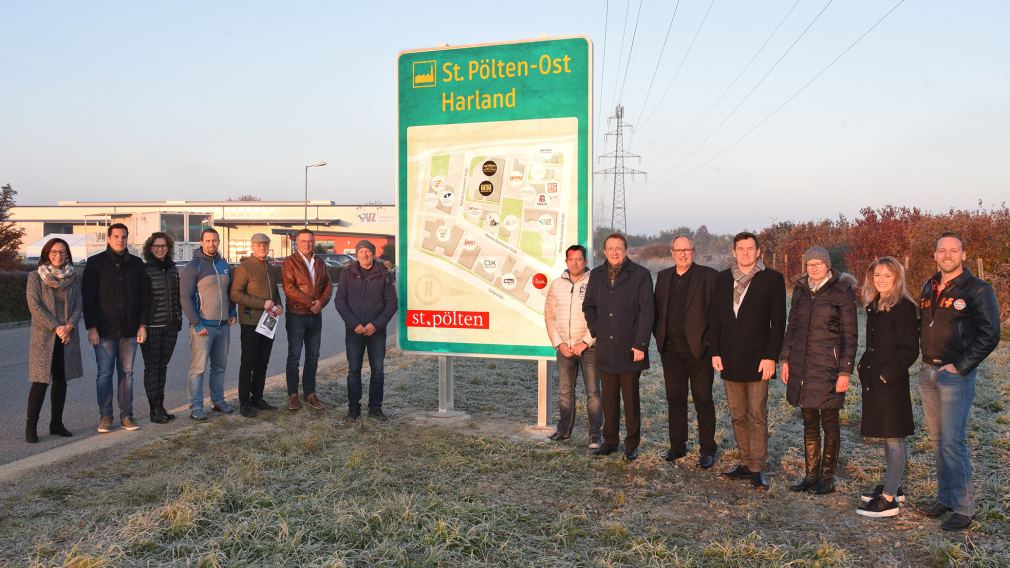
254, 289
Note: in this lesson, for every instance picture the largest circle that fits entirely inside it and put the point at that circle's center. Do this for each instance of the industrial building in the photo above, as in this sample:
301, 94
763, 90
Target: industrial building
337, 227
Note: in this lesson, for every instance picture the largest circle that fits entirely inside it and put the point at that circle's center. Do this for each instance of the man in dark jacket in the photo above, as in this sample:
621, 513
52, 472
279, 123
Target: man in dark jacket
619, 310
748, 322
683, 305
960, 328
115, 312
366, 300
254, 289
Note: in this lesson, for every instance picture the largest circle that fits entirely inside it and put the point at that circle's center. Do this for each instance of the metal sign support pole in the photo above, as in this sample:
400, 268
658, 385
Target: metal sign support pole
545, 392
445, 385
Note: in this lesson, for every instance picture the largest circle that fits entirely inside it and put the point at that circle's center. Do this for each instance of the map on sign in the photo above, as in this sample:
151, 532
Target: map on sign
493, 216
493, 187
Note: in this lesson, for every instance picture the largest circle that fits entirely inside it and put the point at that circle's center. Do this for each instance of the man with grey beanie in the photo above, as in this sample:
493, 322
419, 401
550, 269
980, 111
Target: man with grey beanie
366, 300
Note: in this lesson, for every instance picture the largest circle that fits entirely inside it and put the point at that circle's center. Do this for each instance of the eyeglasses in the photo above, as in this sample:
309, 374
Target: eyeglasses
816, 264
681, 251
159, 246
57, 253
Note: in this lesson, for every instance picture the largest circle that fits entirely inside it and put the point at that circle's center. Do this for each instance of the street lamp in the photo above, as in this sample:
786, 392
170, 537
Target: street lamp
312, 165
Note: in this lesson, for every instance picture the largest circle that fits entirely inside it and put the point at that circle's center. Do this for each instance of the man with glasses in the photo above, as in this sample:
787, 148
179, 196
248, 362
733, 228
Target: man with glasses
254, 289
683, 301
115, 306
307, 287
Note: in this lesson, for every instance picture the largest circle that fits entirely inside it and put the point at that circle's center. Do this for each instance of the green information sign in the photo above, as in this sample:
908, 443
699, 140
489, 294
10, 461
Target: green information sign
494, 184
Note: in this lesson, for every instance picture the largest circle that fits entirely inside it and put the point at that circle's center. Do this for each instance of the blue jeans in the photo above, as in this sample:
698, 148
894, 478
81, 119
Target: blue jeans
894, 453
568, 370
212, 347
946, 401
304, 330
115, 355
356, 346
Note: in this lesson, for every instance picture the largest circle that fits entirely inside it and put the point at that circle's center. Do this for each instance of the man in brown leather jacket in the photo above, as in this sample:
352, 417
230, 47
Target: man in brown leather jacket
307, 287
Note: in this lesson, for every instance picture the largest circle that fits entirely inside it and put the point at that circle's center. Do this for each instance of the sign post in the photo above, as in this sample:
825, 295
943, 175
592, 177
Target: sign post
493, 173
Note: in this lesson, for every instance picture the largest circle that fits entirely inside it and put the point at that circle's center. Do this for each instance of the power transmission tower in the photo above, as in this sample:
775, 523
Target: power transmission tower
618, 213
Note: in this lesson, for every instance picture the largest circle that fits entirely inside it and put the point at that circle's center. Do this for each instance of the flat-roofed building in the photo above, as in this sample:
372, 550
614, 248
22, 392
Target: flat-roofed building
338, 227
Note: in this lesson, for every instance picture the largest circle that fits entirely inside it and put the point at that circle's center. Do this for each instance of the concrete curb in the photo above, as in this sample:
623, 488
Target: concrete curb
149, 433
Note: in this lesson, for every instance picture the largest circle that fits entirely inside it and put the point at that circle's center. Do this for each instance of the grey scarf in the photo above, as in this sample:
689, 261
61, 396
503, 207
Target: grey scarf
741, 281
58, 278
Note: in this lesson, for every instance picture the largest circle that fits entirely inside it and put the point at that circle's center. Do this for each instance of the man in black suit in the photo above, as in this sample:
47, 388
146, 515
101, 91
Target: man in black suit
619, 310
748, 324
683, 303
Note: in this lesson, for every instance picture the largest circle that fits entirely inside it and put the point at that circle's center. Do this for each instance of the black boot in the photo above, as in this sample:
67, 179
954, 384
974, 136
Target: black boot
58, 399
35, 397
161, 408
829, 461
812, 455
157, 416
811, 451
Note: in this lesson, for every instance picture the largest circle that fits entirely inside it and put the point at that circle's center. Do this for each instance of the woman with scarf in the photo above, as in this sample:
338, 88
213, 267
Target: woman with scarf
818, 355
54, 352
164, 321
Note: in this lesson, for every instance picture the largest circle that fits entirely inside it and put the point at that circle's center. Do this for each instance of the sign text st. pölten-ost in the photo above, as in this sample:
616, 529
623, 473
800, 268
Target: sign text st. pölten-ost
492, 68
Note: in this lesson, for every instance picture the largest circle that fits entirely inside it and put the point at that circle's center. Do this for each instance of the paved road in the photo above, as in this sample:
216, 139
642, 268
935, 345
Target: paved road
81, 414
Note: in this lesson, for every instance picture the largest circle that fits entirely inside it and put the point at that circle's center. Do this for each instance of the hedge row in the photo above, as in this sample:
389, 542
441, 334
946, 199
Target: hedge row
13, 302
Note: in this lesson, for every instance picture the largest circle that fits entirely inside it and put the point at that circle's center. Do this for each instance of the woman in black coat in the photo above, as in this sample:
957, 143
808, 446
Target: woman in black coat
818, 356
892, 346
163, 323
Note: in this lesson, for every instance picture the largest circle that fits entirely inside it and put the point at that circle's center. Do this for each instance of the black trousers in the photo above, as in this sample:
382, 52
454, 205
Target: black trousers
615, 387
37, 394
680, 371
157, 352
252, 371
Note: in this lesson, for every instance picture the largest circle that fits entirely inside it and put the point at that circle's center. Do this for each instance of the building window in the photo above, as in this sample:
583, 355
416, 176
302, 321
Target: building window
57, 228
174, 226
197, 223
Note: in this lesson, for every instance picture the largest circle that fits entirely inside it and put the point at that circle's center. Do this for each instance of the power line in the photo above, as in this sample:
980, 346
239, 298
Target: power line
679, 66
660, 59
793, 96
603, 70
731, 85
751, 92
631, 49
620, 54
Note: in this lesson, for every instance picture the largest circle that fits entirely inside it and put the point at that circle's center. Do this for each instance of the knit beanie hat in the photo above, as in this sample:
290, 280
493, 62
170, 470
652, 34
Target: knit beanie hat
364, 243
817, 253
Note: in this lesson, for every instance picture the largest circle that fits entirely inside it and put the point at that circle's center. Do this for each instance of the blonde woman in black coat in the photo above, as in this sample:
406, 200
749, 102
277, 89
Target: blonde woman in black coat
818, 357
892, 346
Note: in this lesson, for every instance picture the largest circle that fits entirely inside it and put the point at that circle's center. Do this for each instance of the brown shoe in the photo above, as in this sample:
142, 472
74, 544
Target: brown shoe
293, 403
105, 425
313, 402
129, 424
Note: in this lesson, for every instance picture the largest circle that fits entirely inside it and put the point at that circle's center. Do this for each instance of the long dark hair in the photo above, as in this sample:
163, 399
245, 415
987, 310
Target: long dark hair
149, 256
44, 255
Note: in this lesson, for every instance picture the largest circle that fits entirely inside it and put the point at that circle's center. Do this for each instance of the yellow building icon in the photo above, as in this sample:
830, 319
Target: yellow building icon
424, 74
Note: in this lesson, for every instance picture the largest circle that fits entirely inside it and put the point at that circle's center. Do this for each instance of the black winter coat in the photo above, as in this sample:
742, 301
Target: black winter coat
620, 316
821, 341
367, 297
696, 312
115, 293
164, 307
892, 346
742, 340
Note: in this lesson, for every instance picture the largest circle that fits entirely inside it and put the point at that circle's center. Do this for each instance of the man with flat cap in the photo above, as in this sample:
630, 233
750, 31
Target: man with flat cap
254, 289
366, 300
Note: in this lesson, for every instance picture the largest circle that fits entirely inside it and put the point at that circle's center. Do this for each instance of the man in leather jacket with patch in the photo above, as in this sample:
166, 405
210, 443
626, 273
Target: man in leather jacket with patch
960, 328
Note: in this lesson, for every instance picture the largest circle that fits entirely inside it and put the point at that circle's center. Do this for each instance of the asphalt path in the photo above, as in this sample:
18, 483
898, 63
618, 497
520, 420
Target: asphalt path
81, 413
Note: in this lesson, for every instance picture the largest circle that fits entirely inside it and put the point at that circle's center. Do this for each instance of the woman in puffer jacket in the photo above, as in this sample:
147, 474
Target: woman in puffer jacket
818, 355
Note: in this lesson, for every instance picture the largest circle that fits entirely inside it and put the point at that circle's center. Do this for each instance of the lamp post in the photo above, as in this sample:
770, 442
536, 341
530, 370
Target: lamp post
312, 165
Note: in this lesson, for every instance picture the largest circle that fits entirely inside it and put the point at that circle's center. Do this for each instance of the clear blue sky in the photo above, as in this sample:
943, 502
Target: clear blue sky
209, 100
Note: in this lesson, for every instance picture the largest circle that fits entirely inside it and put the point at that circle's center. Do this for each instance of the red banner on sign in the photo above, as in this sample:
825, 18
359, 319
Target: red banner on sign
448, 319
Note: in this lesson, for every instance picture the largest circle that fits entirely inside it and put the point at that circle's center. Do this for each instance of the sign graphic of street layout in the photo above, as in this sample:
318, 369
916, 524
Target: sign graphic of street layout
494, 179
